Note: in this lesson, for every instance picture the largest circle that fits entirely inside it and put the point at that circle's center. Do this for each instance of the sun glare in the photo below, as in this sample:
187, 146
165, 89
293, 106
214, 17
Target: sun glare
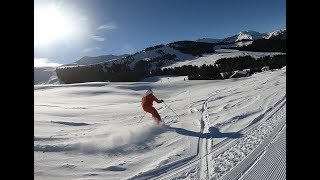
50, 24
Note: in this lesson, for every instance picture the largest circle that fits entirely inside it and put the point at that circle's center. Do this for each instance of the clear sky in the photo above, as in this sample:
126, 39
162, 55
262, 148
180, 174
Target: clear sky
66, 30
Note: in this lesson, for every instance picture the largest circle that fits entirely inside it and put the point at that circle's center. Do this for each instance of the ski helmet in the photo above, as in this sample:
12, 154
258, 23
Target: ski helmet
149, 92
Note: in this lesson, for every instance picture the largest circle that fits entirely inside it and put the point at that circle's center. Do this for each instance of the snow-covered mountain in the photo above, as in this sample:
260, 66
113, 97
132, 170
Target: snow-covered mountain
86, 60
280, 34
245, 36
159, 53
157, 57
180, 59
45, 75
48, 75
147, 54
181, 53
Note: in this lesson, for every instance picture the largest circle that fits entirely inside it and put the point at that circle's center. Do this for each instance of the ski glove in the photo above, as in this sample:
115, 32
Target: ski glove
161, 100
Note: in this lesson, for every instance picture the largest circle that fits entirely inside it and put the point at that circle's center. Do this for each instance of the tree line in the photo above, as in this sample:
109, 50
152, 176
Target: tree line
192, 47
142, 69
265, 45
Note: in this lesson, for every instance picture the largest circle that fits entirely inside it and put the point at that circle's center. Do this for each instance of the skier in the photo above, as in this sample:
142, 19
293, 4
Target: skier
147, 102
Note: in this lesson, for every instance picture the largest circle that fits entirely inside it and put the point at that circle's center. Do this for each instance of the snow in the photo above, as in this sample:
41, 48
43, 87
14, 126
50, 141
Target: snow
244, 35
227, 129
242, 38
242, 43
45, 75
272, 162
219, 54
236, 44
238, 74
147, 55
96, 60
274, 33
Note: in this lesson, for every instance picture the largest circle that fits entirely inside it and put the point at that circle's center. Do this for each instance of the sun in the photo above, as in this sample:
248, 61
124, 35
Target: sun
50, 24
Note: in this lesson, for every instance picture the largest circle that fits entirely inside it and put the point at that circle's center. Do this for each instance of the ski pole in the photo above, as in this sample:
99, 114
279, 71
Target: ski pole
142, 117
172, 110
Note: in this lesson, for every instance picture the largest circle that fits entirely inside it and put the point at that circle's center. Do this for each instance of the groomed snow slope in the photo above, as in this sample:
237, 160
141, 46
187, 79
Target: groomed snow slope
226, 129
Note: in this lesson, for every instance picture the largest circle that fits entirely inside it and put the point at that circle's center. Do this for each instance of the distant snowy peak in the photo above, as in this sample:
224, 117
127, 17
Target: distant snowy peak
86, 60
244, 36
247, 36
281, 34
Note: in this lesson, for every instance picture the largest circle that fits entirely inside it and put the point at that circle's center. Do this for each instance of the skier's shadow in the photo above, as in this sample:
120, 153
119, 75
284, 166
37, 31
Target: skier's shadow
213, 133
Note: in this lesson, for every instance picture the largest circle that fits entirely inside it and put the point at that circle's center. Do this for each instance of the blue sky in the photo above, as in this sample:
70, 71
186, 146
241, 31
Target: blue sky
101, 27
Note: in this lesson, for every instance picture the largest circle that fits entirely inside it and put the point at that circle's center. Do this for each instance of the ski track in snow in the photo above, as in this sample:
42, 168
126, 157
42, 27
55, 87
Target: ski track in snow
241, 124
70, 123
220, 164
272, 162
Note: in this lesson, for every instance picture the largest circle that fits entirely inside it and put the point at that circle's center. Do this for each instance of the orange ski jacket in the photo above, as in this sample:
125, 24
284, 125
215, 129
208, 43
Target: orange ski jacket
147, 101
